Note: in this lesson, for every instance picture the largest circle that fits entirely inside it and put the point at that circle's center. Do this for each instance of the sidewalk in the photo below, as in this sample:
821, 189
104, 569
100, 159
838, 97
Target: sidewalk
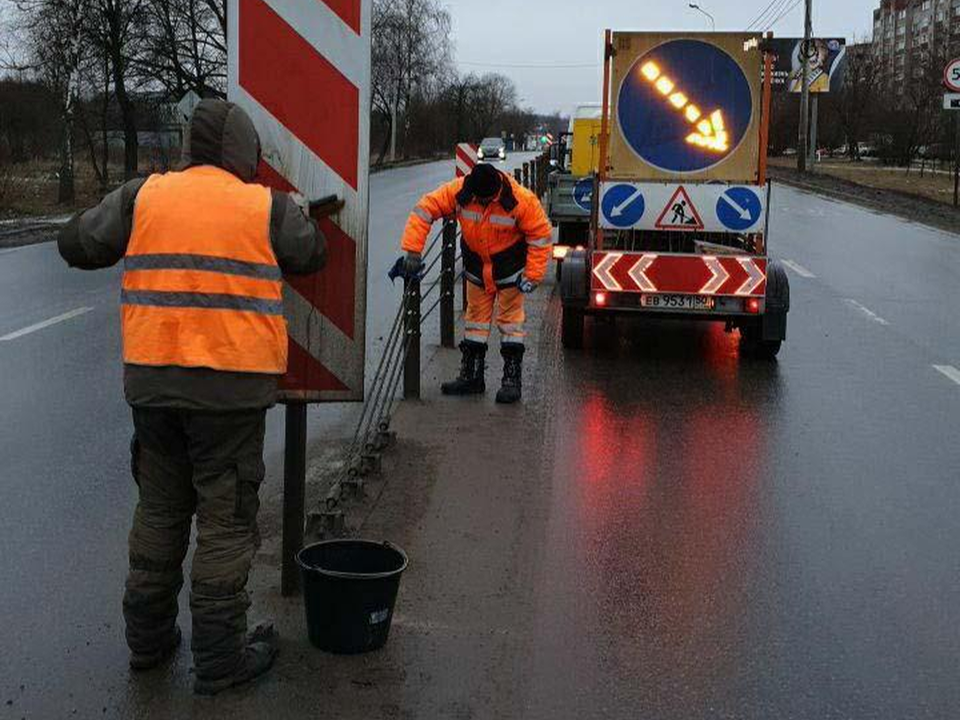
457, 488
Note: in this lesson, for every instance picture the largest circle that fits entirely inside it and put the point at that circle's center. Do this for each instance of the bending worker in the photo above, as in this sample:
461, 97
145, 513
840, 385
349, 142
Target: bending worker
506, 248
204, 341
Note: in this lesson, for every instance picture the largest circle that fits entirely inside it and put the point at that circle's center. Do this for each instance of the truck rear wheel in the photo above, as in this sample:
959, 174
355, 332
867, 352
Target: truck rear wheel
571, 326
753, 345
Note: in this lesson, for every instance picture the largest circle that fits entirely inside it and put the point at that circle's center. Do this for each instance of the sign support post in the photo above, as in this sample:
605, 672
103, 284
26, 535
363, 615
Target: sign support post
805, 88
294, 490
956, 161
814, 118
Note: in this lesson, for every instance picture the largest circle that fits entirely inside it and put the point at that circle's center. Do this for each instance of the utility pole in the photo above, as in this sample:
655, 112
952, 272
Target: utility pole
802, 151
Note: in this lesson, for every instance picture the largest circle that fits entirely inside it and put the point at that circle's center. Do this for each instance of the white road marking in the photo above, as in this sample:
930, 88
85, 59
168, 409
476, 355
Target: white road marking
948, 371
798, 269
865, 310
45, 324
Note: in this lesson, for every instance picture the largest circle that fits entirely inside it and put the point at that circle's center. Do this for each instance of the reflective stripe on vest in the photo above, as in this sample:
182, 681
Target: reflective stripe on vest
201, 285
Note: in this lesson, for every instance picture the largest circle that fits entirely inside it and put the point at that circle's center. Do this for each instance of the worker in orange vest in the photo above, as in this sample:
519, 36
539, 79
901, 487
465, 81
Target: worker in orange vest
204, 341
506, 247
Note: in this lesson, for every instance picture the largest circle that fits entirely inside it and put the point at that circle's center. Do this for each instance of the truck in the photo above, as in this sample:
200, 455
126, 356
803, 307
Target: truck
679, 227
570, 183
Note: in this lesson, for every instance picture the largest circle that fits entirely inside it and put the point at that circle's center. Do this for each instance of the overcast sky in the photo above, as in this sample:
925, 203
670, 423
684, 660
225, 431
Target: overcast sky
498, 35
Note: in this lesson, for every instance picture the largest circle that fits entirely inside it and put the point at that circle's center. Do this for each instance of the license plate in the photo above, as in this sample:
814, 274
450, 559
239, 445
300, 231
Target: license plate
677, 302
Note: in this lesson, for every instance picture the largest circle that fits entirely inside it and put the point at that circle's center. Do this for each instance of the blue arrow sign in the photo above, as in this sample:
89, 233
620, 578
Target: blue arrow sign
583, 194
739, 208
623, 205
684, 106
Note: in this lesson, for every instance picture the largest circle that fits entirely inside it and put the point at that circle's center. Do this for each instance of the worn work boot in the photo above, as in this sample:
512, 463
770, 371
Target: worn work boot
511, 389
147, 661
472, 365
258, 658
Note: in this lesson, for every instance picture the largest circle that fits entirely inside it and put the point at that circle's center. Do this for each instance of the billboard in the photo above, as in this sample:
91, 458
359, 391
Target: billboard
685, 105
827, 64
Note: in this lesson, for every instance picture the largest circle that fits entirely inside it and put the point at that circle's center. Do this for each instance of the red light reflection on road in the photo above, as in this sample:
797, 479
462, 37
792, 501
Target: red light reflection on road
665, 510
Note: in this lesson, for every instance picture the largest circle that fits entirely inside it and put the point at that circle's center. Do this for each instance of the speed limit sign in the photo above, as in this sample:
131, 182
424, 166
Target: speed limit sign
951, 75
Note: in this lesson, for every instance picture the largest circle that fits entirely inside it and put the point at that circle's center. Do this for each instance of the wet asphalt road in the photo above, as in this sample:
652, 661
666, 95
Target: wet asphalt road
64, 459
732, 539
717, 539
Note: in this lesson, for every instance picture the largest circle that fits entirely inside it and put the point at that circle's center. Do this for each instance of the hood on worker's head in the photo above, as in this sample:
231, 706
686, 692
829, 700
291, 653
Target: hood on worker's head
222, 134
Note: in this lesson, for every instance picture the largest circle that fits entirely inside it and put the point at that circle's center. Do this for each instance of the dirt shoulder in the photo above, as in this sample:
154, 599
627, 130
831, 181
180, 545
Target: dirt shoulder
907, 205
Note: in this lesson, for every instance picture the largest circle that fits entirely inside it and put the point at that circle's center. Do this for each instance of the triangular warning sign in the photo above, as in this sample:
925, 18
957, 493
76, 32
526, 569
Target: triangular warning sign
680, 213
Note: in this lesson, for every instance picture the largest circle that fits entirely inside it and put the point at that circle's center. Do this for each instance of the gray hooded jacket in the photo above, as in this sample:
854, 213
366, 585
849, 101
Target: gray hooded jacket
219, 134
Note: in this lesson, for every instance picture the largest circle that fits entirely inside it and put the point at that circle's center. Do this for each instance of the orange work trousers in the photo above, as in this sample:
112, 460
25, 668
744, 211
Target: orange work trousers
479, 315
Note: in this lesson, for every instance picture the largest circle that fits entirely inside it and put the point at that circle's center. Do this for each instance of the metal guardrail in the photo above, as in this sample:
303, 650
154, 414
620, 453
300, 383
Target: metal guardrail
400, 362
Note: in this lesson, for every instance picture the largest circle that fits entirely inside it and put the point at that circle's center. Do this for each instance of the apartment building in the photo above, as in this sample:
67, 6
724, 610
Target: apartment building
907, 32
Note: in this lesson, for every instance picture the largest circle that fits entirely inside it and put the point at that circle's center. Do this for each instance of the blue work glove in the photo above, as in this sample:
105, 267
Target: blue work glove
408, 267
526, 286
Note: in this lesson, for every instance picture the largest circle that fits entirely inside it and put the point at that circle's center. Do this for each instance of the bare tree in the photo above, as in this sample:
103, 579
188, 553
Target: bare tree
118, 29
185, 47
493, 96
855, 104
411, 45
55, 32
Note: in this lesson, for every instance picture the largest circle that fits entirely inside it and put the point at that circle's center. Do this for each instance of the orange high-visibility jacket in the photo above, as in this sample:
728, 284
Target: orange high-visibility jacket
201, 284
498, 244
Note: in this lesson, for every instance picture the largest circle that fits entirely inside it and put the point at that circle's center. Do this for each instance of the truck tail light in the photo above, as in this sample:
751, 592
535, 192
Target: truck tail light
753, 306
600, 299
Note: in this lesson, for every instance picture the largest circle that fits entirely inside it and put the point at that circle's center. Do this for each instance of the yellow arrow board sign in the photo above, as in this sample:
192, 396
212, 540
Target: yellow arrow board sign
685, 106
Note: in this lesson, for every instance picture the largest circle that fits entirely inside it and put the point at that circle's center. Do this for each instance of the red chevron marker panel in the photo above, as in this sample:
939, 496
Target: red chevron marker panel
466, 158
737, 275
301, 68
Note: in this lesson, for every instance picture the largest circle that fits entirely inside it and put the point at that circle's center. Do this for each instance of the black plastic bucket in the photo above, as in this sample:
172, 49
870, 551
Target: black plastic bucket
349, 589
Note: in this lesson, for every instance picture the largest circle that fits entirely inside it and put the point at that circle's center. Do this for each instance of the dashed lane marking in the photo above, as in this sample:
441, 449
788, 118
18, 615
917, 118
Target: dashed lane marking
798, 269
948, 371
45, 324
867, 312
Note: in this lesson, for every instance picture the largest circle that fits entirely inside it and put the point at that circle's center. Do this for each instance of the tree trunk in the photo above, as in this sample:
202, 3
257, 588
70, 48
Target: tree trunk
66, 192
393, 131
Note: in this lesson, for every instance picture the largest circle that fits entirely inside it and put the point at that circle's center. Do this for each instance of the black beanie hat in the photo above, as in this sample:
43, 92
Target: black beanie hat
485, 180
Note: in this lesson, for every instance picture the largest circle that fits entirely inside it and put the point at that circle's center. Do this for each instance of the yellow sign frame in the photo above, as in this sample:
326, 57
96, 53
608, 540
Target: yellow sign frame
742, 164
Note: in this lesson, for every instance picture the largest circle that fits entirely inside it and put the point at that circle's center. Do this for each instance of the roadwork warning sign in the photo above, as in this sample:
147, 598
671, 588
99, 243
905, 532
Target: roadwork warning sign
679, 213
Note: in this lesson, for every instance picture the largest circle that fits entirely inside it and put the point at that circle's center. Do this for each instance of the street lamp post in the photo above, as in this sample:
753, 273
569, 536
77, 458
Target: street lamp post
713, 24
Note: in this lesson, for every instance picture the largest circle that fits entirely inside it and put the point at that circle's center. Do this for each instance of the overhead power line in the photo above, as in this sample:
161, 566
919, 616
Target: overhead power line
764, 20
763, 12
786, 12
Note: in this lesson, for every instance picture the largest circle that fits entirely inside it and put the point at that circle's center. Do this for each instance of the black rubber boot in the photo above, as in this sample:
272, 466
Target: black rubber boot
148, 661
472, 366
257, 659
511, 389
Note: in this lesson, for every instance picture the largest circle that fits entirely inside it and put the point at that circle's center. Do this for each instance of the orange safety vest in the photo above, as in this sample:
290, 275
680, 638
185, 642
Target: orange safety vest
201, 284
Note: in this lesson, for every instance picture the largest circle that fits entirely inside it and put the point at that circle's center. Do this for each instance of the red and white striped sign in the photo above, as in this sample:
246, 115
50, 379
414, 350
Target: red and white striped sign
466, 158
301, 68
737, 275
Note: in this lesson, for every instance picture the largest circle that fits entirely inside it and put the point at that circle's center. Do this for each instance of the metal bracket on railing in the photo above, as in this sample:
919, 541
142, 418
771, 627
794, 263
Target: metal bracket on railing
411, 332
448, 271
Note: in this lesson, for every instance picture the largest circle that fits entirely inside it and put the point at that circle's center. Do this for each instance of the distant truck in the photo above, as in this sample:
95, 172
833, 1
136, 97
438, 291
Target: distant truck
678, 225
570, 184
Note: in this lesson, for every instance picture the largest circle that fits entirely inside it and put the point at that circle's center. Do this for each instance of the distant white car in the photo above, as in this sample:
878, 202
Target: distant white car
492, 148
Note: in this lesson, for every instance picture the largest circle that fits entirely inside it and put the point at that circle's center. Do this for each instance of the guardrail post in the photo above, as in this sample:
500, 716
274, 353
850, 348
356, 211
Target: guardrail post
448, 262
294, 490
534, 170
411, 336
518, 175
526, 175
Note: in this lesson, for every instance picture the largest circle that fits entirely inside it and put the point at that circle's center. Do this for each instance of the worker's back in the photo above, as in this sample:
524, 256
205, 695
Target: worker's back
202, 287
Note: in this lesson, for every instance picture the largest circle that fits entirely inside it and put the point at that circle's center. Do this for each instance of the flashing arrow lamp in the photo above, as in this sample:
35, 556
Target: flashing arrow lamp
684, 106
710, 131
